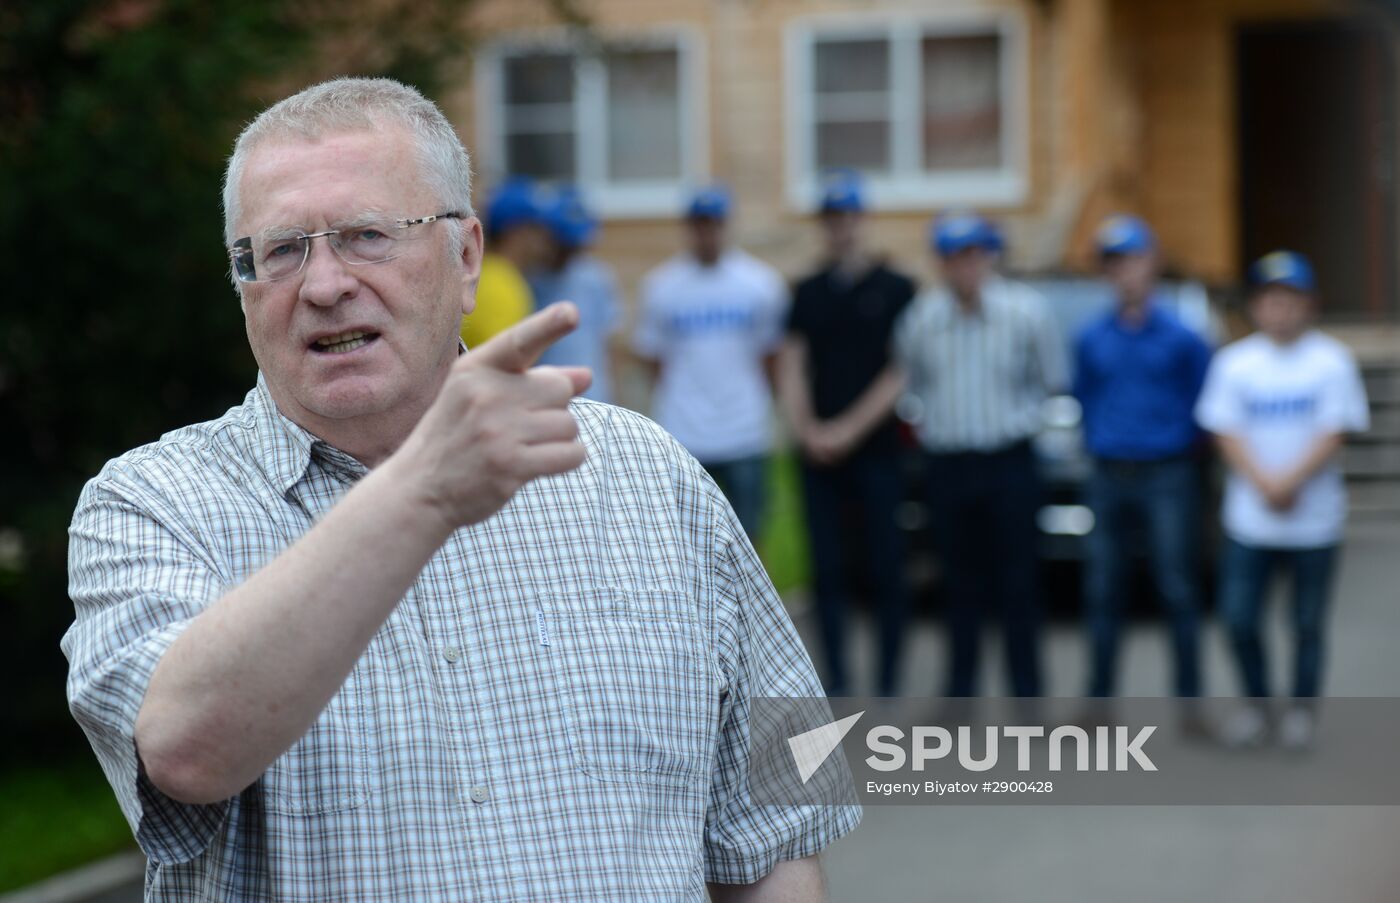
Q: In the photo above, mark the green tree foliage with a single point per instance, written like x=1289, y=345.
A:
x=118, y=321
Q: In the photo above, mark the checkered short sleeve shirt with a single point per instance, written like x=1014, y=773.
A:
x=556, y=710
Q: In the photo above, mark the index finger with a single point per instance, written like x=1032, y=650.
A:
x=516, y=349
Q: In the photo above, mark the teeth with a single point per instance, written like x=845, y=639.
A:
x=341, y=347
x=339, y=339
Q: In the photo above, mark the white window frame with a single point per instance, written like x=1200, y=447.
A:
x=611, y=200
x=908, y=186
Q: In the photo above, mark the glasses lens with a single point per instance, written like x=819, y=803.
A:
x=370, y=243
x=278, y=258
x=242, y=257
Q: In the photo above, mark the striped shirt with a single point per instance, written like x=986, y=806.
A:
x=556, y=710
x=980, y=377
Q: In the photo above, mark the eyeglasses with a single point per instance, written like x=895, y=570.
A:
x=268, y=258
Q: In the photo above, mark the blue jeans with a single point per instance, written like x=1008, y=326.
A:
x=983, y=507
x=1165, y=494
x=744, y=482
x=870, y=486
x=1245, y=575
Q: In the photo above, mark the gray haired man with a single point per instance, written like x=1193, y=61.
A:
x=412, y=622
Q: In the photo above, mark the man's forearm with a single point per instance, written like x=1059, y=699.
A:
x=250, y=674
x=1317, y=457
x=1238, y=459
x=793, y=393
x=791, y=881
x=875, y=403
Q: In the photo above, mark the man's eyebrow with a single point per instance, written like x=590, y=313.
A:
x=272, y=233
x=361, y=218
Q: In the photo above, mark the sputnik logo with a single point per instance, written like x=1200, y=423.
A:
x=811, y=748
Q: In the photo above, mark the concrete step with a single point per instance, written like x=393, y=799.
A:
x=1374, y=499
x=1380, y=458
x=1385, y=426
x=1382, y=385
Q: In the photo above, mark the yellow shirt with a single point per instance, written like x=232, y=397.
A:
x=503, y=298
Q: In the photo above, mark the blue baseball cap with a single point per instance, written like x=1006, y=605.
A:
x=514, y=202
x=711, y=202
x=1124, y=234
x=1287, y=268
x=569, y=220
x=958, y=231
x=841, y=192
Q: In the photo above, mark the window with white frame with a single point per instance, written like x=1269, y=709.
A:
x=620, y=120
x=930, y=111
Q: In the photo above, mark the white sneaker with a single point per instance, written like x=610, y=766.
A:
x=1296, y=729
x=1246, y=728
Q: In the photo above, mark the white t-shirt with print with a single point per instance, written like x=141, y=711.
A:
x=711, y=327
x=1279, y=400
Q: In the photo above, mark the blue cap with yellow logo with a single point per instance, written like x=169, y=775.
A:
x=1124, y=234
x=960, y=230
x=1288, y=268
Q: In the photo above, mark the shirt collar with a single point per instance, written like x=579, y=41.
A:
x=988, y=302
x=726, y=256
x=284, y=447
x=1152, y=317
x=287, y=449
x=840, y=280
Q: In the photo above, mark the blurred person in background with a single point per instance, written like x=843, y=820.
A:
x=515, y=233
x=838, y=388
x=1137, y=374
x=1280, y=403
x=710, y=323
x=571, y=273
x=981, y=354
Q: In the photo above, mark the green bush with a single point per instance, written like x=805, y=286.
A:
x=56, y=818
x=783, y=543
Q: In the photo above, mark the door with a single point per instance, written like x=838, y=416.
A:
x=1317, y=157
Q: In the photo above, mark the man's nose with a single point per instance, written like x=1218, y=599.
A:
x=326, y=279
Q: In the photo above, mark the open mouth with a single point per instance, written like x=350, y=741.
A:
x=343, y=343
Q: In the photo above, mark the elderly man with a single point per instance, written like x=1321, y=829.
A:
x=409, y=623
x=982, y=354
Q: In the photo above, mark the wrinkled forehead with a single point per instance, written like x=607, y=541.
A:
x=311, y=182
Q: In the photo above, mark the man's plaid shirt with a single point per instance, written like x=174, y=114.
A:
x=556, y=710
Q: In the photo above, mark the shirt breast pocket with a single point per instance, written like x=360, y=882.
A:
x=325, y=771
x=635, y=683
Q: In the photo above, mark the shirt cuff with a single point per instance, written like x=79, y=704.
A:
x=168, y=831
x=731, y=867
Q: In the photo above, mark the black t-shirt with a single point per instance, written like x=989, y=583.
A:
x=848, y=327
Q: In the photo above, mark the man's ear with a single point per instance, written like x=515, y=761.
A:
x=472, y=249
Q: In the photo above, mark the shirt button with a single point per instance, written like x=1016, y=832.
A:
x=478, y=794
x=451, y=653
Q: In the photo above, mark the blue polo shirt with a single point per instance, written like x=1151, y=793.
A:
x=1138, y=385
